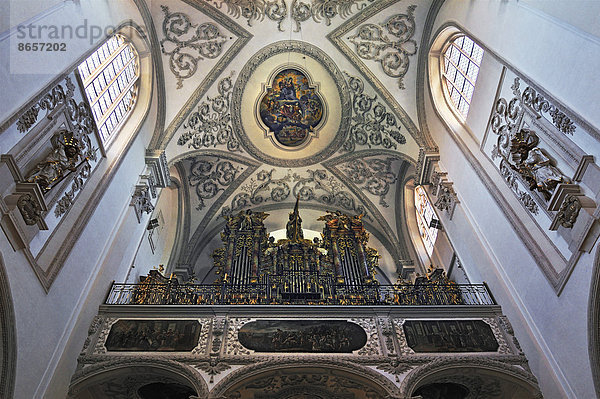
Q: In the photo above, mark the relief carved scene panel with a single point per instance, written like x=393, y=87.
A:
x=153, y=335
x=449, y=336
x=315, y=336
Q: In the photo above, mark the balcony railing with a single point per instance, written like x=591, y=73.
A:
x=261, y=294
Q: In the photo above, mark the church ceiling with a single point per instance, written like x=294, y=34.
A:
x=270, y=100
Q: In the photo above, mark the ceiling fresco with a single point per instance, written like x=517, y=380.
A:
x=270, y=101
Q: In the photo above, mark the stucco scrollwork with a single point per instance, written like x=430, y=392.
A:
x=404, y=348
x=372, y=124
x=373, y=175
x=186, y=44
x=542, y=106
x=255, y=10
x=210, y=124
x=299, y=11
x=393, y=51
x=209, y=176
x=518, y=147
x=372, y=347
x=318, y=185
x=323, y=10
x=70, y=156
x=233, y=346
x=101, y=340
x=200, y=349
x=49, y=101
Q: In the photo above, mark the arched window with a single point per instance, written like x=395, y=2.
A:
x=462, y=59
x=109, y=76
x=425, y=214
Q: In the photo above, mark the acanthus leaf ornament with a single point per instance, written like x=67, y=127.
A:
x=211, y=176
x=213, y=367
x=395, y=367
x=317, y=186
x=299, y=11
x=186, y=44
x=49, y=102
x=392, y=52
x=372, y=124
x=210, y=124
x=373, y=175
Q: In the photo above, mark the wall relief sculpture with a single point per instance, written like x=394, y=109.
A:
x=315, y=336
x=449, y=336
x=153, y=335
x=372, y=124
x=520, y=152
x=141, y=201
x=71, y=151
x=291, y=108
x=393, y=51
x=524, y=163
x=187, y=44
x=210, y=124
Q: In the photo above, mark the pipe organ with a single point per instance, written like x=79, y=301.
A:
x=295, y=269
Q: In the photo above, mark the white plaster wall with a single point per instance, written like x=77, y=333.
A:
x=552, y=329
x=52, y=327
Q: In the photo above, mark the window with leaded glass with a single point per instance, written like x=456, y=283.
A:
x=110, y=77
x=462, y=59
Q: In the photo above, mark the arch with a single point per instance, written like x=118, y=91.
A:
x=302, y=373
x=149, y=369
x=469, y=372
x=594, y=323
x=8, y=336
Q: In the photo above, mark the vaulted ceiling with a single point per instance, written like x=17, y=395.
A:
x=221, y=59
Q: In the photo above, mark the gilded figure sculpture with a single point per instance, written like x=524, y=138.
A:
x=63, y=159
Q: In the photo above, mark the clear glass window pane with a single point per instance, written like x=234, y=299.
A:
x=461, y=77
x=110, y=89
